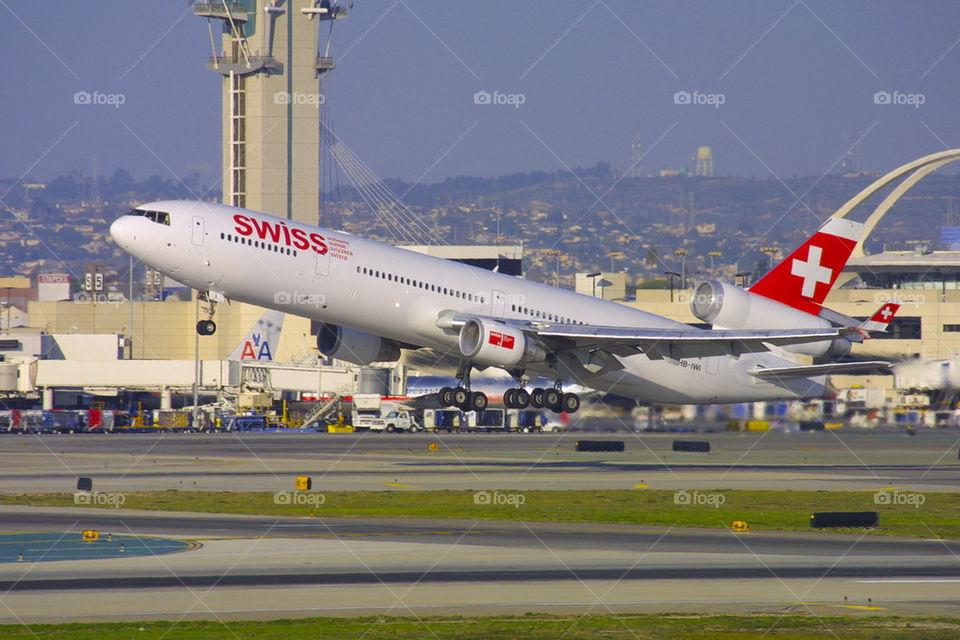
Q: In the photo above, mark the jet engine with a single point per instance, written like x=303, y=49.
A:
x=355, y=346
x=727, y=306
x=498, y=344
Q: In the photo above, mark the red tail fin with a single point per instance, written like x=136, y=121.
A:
x=805, y=278
x=880, y=320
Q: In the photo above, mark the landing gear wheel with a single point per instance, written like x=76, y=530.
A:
x=460, y=396
x=521, y=399
x=206, y=327
x=510, y=398
x=536, y=398
x=446, y=396
x=478, y=401
x=552, y=399
x=570, y=402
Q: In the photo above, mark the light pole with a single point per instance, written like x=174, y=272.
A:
x=593, y=277
x=556, y=266
x=683, y=266
x=714, y=254
x=8, y=308
x=771, y=252
x=671, y=275
x=613, y=256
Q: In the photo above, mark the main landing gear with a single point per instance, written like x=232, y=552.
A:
x=460, y=396
x=553, y=399
x=207, y=327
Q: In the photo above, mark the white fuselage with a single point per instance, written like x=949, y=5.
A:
x=388, y=291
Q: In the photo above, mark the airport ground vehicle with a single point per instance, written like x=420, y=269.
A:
x=489, y=420
x=399, y=420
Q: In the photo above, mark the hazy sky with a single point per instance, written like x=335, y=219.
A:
x=796, y=80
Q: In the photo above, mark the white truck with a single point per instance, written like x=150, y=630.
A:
x=394, y=421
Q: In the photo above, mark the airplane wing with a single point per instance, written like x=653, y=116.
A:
x=803, y=371
x=658, y=343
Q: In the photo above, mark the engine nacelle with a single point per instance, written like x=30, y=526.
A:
x=498, y=344
x=726, y=306
x=355, y=346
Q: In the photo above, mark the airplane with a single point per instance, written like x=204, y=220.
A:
x=262, y=340
x=373, y=299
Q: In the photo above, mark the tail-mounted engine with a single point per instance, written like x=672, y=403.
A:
x=726, y=306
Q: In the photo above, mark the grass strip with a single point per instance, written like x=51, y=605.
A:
x=526, y=627
x=937, y=516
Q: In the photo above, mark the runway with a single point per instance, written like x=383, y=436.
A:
x=849, y=460
x=363, y=566
x=244, y=567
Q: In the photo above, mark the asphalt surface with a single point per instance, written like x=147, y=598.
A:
x=267, y=567
x=853, y=460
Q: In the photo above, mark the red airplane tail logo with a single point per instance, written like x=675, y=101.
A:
x=805, y=278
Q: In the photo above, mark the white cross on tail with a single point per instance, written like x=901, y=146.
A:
x=811, y=271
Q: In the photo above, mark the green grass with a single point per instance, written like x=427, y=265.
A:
x=530, y=626
x=939, y=515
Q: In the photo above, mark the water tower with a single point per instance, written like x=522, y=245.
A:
x=705, y=162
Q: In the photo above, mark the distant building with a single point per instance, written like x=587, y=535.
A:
x=607, y=285
x=502, y=259
x=53, y=286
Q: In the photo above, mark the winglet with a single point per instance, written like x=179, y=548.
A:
x=880, y=321
x=804, y=279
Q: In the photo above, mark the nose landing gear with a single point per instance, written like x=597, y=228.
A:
x=208, y=306
x=206, y=327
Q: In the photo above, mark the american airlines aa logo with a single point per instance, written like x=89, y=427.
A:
x=256, y=348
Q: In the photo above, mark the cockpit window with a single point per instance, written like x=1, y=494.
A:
x=161, y=217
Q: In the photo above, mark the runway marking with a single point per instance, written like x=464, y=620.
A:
x=364, y=535
x=841, y=606
x=397, y=484
x=907, y=580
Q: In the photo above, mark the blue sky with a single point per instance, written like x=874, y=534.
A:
x=797, y=81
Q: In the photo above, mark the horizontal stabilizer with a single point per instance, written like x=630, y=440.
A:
x=832, y=368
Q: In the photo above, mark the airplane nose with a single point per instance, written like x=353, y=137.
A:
x=121, y=231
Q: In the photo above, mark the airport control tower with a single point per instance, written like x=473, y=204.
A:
x=273, y=56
